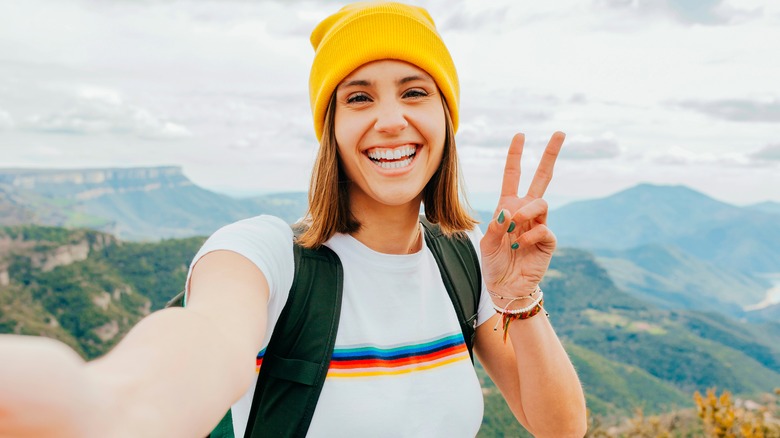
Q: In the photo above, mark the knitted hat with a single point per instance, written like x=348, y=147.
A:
x=369, y=31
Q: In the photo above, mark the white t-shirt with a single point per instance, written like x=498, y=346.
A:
x=400, y=366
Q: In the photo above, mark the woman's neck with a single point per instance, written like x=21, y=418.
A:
x=389, y=229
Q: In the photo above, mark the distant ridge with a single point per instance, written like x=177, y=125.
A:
x=737, y=237
x=671, y=278
x=766, y=207
x=98, y=172
x=85, y=184
x=637, y=216
x=142, y=203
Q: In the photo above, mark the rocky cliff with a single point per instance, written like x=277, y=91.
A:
x=86, y=184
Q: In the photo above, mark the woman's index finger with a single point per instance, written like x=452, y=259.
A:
x=544, y=172
x=512, y=167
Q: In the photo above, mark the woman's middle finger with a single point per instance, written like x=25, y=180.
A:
x=544, y=172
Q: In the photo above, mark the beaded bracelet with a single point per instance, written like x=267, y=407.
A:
x=509, y=315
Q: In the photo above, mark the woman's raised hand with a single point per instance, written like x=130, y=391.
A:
x=517, y=247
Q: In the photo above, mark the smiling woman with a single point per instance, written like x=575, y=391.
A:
x=389, y=129
x=384, y=94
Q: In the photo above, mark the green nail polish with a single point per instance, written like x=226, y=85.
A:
x=501, y=217
x=515, y=245
x=511, y=227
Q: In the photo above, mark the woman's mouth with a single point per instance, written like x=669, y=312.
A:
x=392, y=158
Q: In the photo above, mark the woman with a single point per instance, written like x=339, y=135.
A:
x=384, y=94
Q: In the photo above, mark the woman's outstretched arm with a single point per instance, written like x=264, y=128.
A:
x=175, y=373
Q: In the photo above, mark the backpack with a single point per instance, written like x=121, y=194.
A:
x=298, y=354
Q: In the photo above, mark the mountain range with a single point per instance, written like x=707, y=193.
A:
x=741, y=238
x=650, y=304
x=679, y=248
x=130, y=203
x=671, y=245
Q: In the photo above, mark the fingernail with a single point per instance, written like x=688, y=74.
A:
x=511, y=227
x=500, y=219
x=515, y=245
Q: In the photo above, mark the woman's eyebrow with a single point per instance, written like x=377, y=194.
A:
x=366, y=83
x=412, y=78
x=356, y=82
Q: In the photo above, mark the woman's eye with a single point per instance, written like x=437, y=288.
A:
x=358, y=98
x=415, y=92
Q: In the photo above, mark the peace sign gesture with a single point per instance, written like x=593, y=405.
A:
x=518, y=246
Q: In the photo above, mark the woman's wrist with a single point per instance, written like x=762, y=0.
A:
x=514, y=308
x=518, y=298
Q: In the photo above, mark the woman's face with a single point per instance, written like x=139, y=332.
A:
x=390, y=130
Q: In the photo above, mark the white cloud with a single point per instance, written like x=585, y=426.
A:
x=680, y=156
x=95, y=110
x=740, y=110
x=463, y=18
x=108, y=96
x=770, y=152
x=6, y=121
x=584, y=148
x=688, y=12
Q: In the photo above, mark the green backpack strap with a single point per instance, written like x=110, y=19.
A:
x=460, y=272
x=176, y=301
x=298, y=355
x=225, y=427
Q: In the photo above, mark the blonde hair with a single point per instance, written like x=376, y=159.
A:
x=329, y=208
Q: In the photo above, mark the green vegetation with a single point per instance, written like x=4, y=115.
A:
x=91, y=303
x=691, y=351
x=498, y=420
x=670, y=278
x=607, y=381
x=41, y=234
x=155, y=270
x=630, y=355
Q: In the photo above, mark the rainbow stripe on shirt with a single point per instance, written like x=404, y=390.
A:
x=372, y=361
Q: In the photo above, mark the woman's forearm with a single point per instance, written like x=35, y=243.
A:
x=174, y=374
x=552, y=398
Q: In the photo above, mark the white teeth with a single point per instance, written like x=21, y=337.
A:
x=391, y=154
x=393, y=164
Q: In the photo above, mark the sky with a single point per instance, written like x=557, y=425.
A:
x=673, y=92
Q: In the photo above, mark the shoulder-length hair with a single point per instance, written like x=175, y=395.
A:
x=329, y=212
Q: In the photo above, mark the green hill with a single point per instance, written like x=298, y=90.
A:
x=84, y=287
x=671, y=278
x=692, y=351
x=611, y=386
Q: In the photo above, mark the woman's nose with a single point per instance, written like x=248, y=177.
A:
x=390, y=118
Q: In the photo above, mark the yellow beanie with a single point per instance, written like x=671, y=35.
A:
x=369, y=31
